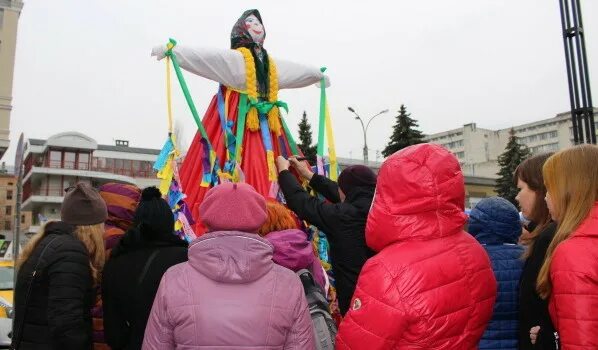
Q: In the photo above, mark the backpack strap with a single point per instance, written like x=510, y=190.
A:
x=147, y=266
x=141, y=278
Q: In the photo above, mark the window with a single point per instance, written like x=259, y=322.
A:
x=8, y=210
x=542, y=136
x=118, y=164
x=22, y=219
x=550, y=147
x=127, y=164
x=83, y=162
x=69, y=160
x=7, y=225
x=460, y=155
x=10, y=184
x=55, y=159
x=9, y=194
x=147, y=167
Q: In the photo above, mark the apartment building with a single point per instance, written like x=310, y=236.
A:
x=53, y=165
x=478, y=149
x=8, y=212
x=9, y=19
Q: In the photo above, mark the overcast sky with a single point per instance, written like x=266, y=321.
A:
x=86, y=65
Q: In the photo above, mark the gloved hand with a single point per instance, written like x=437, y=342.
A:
x=159, y=51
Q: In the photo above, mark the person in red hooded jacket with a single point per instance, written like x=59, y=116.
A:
x=431, y=285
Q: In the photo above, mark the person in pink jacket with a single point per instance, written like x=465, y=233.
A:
x=230, y=294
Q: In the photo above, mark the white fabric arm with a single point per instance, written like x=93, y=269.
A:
x=294, y=75
x=228, y=67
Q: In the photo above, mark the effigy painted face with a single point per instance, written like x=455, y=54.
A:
x=255, y=29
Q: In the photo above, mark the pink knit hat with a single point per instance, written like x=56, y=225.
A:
x=233, y=207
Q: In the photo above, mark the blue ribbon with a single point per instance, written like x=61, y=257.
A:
x=226, y=125
x=160, y=162
x=266, y=138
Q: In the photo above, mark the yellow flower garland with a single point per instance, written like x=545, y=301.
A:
x=252, y=121
x=274, y=114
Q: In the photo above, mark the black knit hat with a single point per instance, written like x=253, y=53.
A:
x=356, y=176
x=153, y=216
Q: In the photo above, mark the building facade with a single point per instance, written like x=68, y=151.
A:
x=8, y=212
x=478, y=149
x=9, y=19
x=51, y=166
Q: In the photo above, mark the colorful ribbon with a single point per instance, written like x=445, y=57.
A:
x=263, y=107
x=208, y=179
x=322, y=124
x=333, y=165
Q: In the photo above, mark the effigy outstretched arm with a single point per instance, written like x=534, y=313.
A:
x=227, y=67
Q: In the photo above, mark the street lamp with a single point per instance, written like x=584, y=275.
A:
x=365, y=130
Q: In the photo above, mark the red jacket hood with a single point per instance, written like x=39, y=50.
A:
x=420, y=195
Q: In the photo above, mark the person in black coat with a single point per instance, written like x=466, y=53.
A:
x=58, y=271
x=342, y=218
x=536, y=330
x=133, y=272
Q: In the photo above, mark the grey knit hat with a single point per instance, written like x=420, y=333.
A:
x=83, y=205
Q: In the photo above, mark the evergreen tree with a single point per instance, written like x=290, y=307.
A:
x=404, y=133
x=305, y=139
x=514, y=154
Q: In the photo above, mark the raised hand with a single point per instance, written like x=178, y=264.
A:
x=302, y=168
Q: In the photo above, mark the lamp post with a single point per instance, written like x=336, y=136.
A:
x=364, y=128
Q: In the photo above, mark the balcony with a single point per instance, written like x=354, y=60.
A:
x=68, y=165
x=49, y=191
x=134, y=171
x=33, y=199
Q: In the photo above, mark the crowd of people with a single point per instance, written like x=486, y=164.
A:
x=112, y=275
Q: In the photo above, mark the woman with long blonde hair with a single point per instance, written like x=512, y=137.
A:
x=58, y=272
x=569, y=276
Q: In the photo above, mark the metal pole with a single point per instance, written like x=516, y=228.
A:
x=580, y=96
x=365, y=148
x=364, y=128
x=17, y=226
x=365, y=140
x=565, y=25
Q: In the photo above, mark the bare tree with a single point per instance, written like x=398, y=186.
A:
x=177, y=131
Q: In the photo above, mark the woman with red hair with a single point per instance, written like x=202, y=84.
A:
x=292, y=249
x=569, y=276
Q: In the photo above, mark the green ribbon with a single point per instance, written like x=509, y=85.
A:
x=263, y=107
x=186, y=92
x=241, y=115
x=292, y=142
x=322, y=125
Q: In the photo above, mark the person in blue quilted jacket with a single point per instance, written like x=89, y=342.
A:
x=495, y=223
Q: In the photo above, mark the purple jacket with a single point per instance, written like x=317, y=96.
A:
x=229, y=295
x=293, y=251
